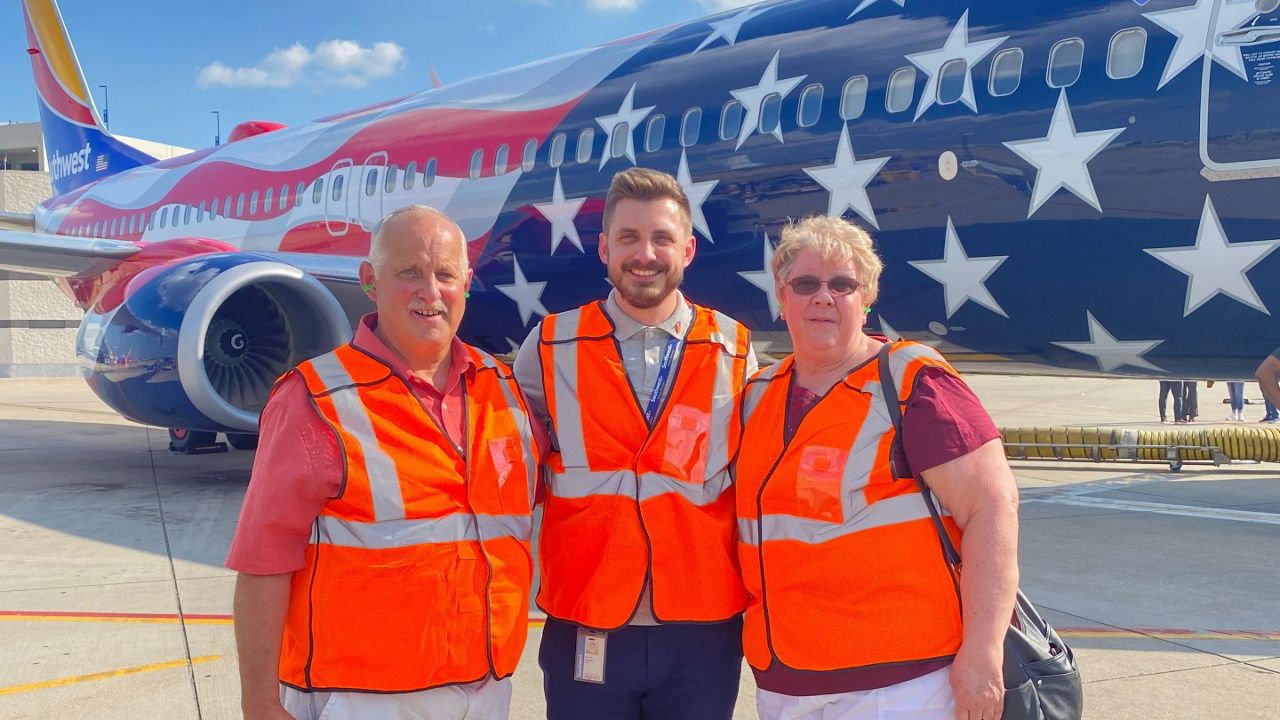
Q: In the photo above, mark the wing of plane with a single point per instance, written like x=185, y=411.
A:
x=19, y=221
x=60, y=255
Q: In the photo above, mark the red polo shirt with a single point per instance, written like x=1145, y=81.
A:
x=298, y=467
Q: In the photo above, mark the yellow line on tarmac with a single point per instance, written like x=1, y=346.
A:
x=77, y=679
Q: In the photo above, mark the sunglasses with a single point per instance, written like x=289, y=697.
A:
x=808, y=285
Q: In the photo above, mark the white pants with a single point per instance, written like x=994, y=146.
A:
x=928, y=697
x=487, y=699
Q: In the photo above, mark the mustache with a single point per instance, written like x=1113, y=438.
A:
x=637, y=265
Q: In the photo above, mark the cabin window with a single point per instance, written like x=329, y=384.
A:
x=529, y=155
x=429, y=173
x=338, y=182
x=477, y=157
x=133, y=223
x=389, y=185
x=901, y=90
x=226, y=207
x=370, y=182
x=1006, y=72
x=113, y=227
x=148, y=221
x=186, y=214
x=952, y=78
x=200, y=212
x=410, y=174
x=267, y=199
x=164, y=217
x=690, y=126
x=618, y=140
x=95, y=230
x=583, y=149
x=555, y=155
x=500, y=158
x=284, y=198
x=730, y=120
x=1065, y=60
x=239, y=207
x=810, y=106
x=253, y=203
x=653, y=133
x=299, y=193
x=317, y=191
x=1126, y=53
x=770, y=113
x=853, y=98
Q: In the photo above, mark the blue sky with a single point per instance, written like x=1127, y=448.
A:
x=168, y=64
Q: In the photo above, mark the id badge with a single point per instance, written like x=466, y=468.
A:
x=588, y=663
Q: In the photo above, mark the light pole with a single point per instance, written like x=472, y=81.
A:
x=217, y=133
x=106, y=107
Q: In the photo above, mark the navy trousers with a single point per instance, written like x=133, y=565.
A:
x=665, y=672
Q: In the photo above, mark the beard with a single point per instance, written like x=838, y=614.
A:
x=648, y=293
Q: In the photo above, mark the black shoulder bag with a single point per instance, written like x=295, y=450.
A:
x=1041, y=679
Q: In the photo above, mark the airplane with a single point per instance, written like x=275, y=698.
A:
x=1072, y=188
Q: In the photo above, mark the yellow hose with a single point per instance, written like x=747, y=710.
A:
x=1259, y=444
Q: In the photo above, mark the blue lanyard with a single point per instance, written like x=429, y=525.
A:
x=664, y=370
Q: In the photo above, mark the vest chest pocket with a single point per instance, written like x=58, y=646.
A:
x=818, y=478
x=687, y=429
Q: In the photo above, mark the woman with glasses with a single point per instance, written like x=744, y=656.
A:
x=854, y=612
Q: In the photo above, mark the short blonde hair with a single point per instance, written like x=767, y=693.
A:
x=836, y=241
x=645, y=184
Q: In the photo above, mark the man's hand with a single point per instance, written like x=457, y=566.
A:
x=268, y=711
x=977, y=679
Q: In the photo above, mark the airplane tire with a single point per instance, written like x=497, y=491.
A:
x=188, y=442
x=243, y=441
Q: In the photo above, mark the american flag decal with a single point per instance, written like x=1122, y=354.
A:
x=101, y=163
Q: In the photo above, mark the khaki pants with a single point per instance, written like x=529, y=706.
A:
x=487, y=699
x=925, y=698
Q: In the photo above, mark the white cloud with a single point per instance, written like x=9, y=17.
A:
x=720, y=5
x=626, y=5
x=333, y=63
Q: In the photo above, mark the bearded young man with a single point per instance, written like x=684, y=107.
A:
x=637, y=548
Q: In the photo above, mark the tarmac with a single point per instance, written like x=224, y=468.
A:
x=114, y=602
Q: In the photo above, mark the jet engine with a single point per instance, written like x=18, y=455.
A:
x=199, y=343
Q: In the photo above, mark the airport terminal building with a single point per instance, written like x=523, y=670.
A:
x=38, y=323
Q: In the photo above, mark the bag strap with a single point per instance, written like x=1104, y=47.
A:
x=890, y=391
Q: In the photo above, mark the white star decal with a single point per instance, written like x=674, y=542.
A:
x=1062, y=157
x=847, y=181
x=729, y=27
x=963, y=278
x=561, y=213
x=867, y=3
x=885, y=328
x=763, y=279
x=751, y=97
x=698, y=194
x=1110, y=352
x=527, y=295
x=957, y=47
x=1215, y=266
x=1196, y=38
x=628, y=116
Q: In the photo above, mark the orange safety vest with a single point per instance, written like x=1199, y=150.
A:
x=841, y=560
x=418, y=573
x=626, y=503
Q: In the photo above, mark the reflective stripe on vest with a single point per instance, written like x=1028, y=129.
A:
x=418, y=574
x=655, y=496
x=841, y=560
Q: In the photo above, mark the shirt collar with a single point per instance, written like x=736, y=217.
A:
x=625, y=327
x=460, y=361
